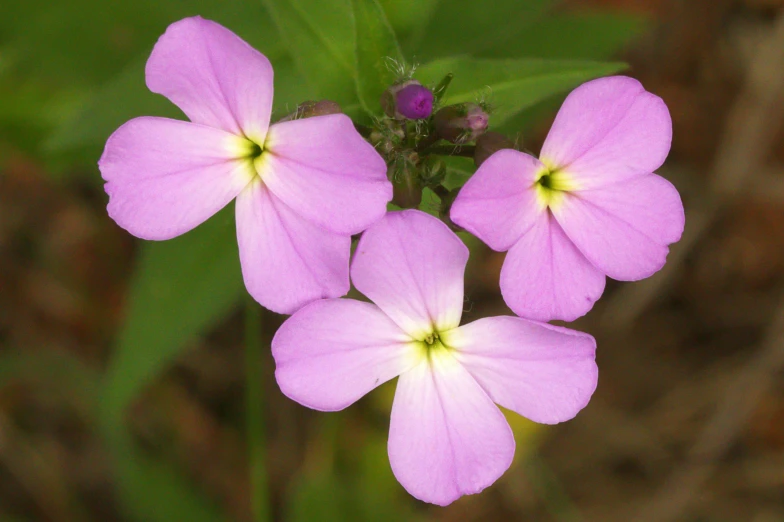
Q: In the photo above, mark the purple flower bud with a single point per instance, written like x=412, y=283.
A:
x=461, y=123
x=407, y=100
x=476, y=118
x=488, y=144
x=415, y=102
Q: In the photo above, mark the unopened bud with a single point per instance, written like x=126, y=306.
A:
x=433, y=171
x=409, y=100
x=310, y=108
x=461, y=123
x=388, y=137
x=407, y=191
x=488, y=144
x=415, y=102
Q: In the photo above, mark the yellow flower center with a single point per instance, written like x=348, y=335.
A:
x=551, y=185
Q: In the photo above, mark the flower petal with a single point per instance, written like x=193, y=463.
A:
x=624, y=229
x=609, y=130
x=287, y=261
x=446, y=437
x=323, y=169
x=498, y=203
x=332, y=352
x=411, y=265
x=543, y=372
x=214, y=76
x=164, y=177
x=545, y=277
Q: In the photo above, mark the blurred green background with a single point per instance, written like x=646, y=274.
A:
x=121, y=362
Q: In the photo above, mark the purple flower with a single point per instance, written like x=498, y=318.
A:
x=446, y=437
x=589, y=207
x=415, y=101
x=303, y=187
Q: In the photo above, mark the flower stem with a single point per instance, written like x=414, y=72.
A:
x=254, y=414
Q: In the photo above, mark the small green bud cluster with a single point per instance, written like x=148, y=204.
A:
x=417, y=128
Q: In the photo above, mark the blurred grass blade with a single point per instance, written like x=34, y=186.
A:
x=181, y=287
x=378, y=54
x=510, y=85
x=320, y=37
x=152, y=491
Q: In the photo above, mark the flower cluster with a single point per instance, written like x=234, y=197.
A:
x=591, y=206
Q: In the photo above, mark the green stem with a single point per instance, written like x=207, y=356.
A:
x=254, y=414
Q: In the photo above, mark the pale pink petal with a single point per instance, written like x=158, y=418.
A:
x=624, y=229
x=543, y=372
x=411, y=265
x=323, y=169
x=609, y=130
x=498, y=204
x=164, y=177
x=214, y=76
x=332, y=352
x=287, y=261
x=446, y=437
x=545, y=277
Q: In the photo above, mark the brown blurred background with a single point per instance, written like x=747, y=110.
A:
x=687, y=423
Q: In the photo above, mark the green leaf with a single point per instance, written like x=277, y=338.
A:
x=377, y=53
x=101, y=114
x=458, y=170
x=510, y=85
x=320, y=37
x=408, y=17
x=471, y=26
x=430, y=203
x=84, y=42
x=180, y=288
x=584, y=36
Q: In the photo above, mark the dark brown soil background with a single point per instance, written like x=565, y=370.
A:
x=688, y=420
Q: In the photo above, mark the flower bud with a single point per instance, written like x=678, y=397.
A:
x=409, y=100
x=461, y=123
x=310, y=108
x=488, y=144
x=387, y=137
x=415, y=102
x=407, y=190
x=406, y=193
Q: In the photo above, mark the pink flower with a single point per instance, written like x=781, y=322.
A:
x=446, y=437
x=303, y=187
x=589, y=207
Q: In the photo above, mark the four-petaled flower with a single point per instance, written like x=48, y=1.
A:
x=446, y=437
x=302, y=187
x=590, y=206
